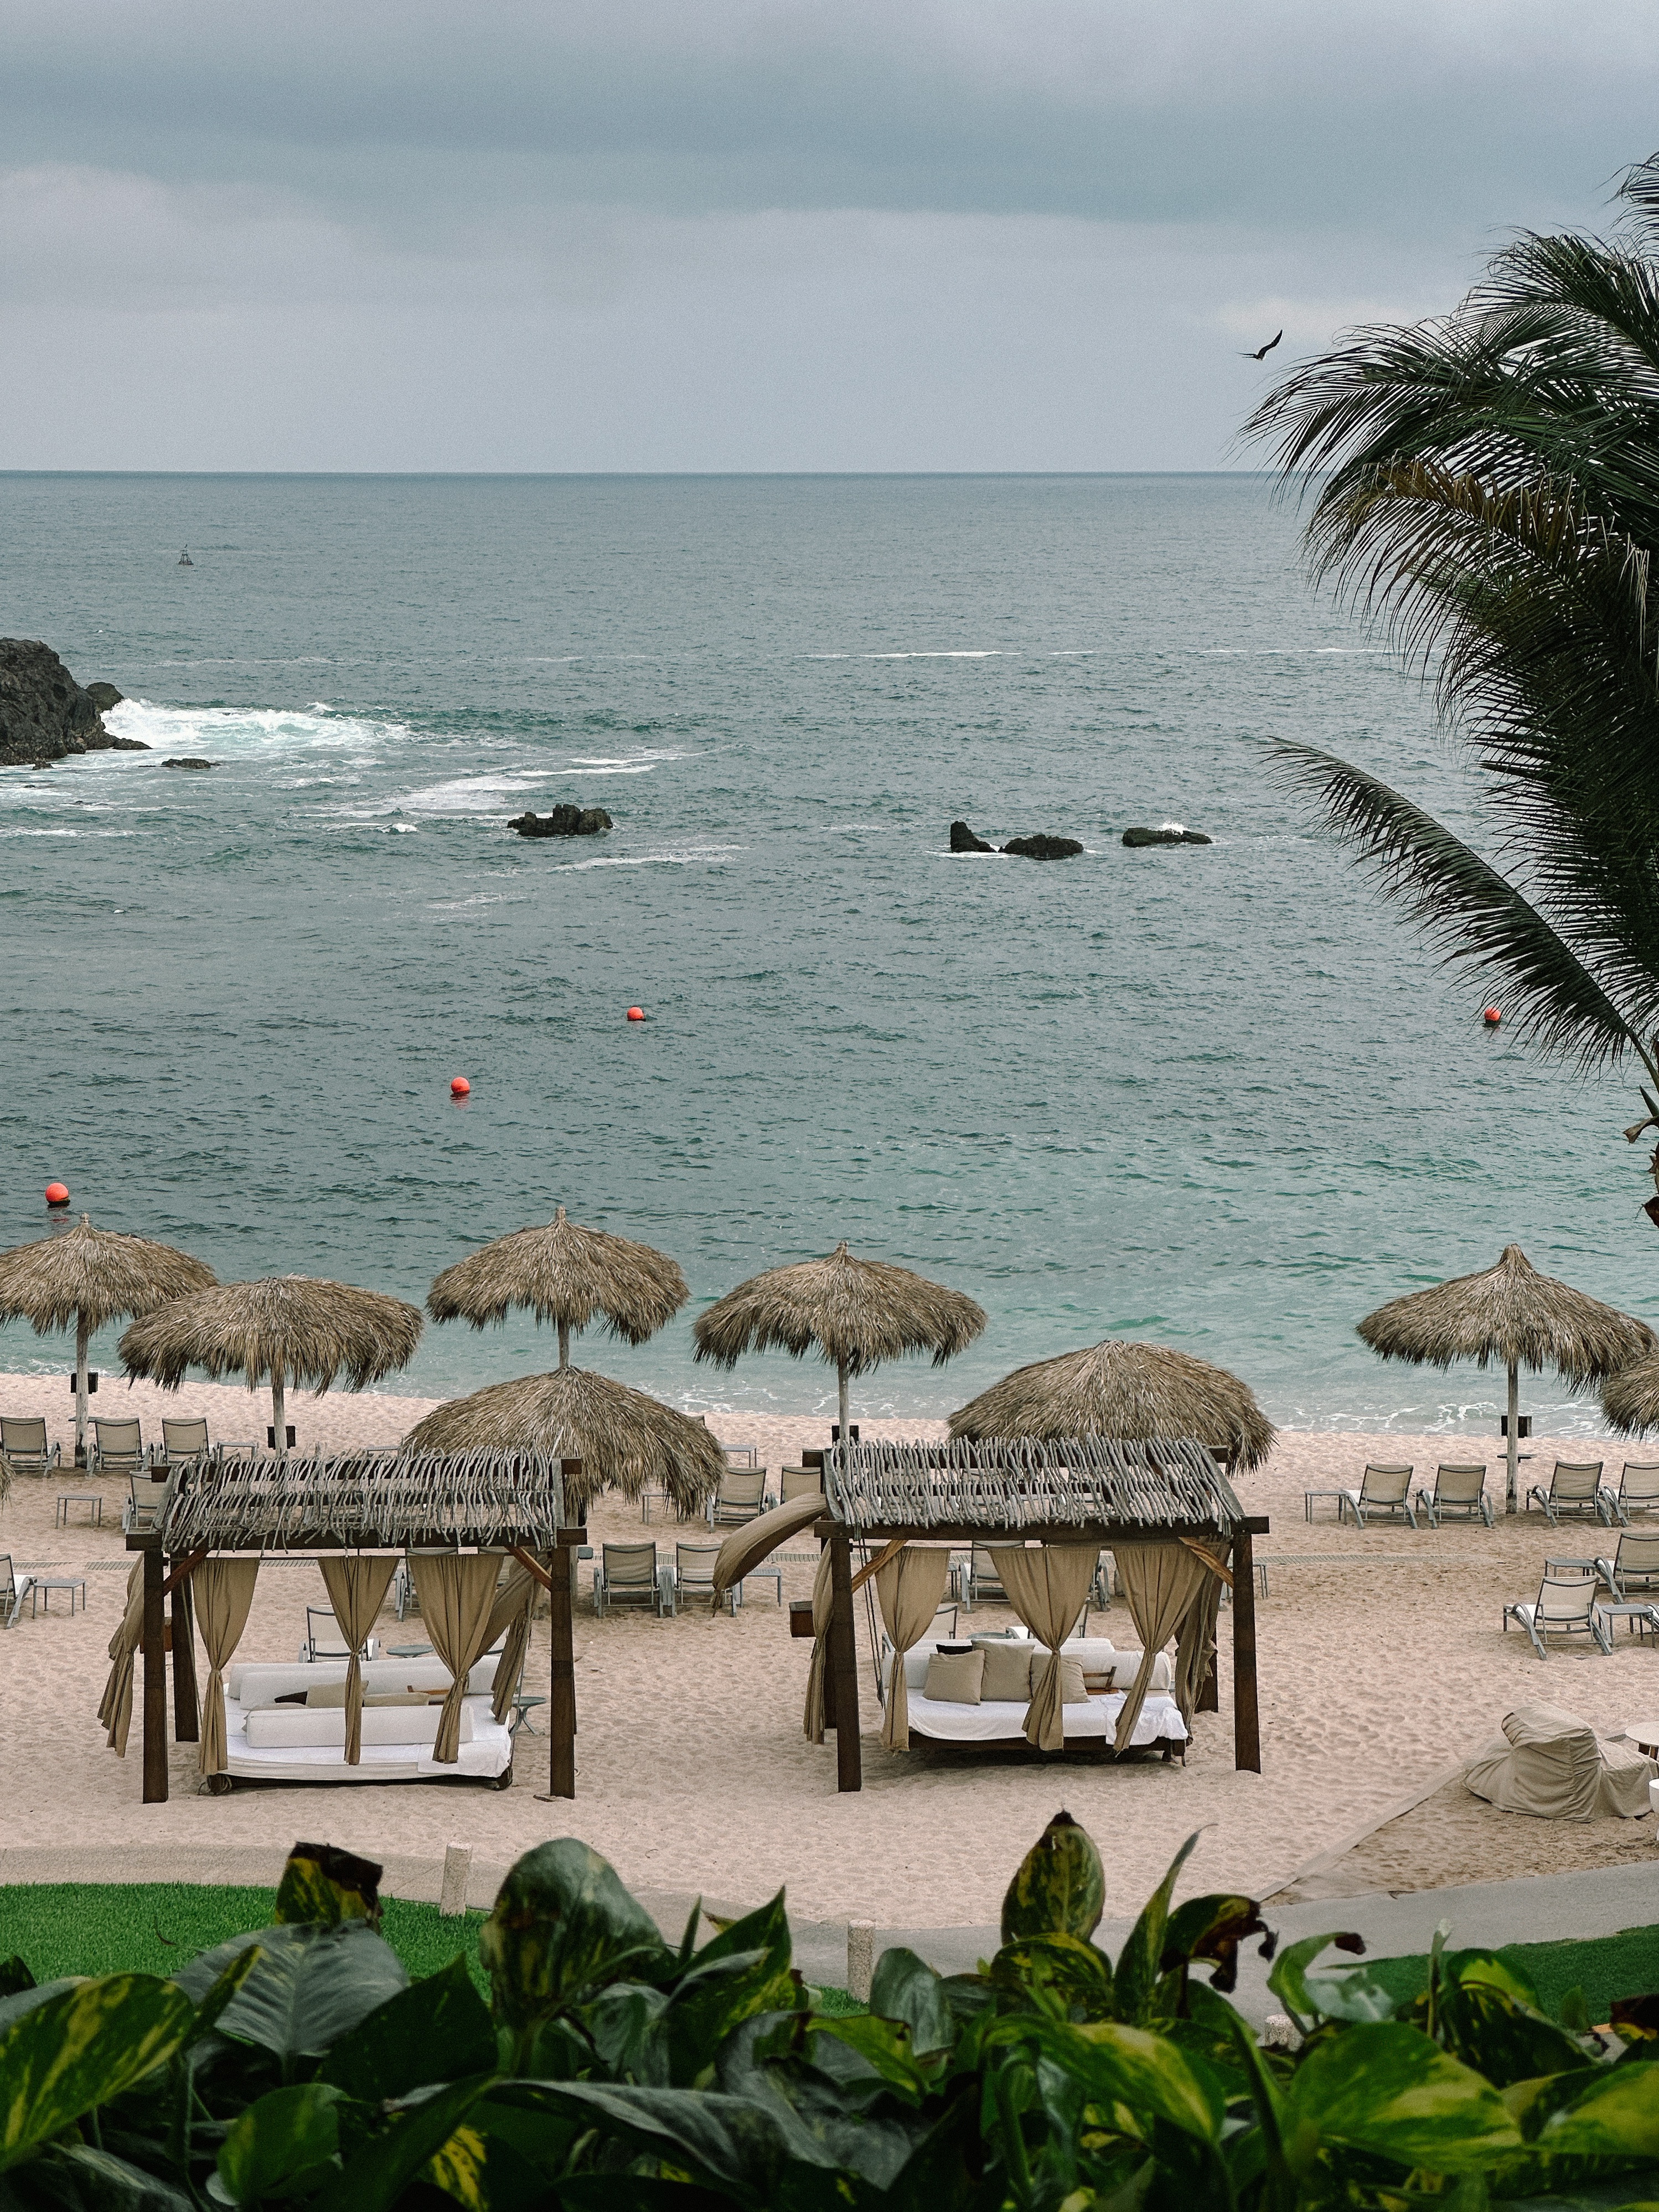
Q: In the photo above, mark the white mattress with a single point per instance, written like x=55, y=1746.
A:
x=1095, y=1718
x=488, y=1752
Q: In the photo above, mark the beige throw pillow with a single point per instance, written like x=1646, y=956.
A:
x=954, y=1679
x=1072, y=1691
x=1007, y=1674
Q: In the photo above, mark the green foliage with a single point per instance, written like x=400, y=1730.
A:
x=299, y=2067
x=323, y=1887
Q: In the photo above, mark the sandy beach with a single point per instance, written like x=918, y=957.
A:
x=1382, y=1663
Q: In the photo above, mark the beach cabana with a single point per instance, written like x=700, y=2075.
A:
x=1046, y=1508
x=455, y=1517
x=85, y=1277
x=1512, y=1314
x=283, y=1328
x=1127, y=1391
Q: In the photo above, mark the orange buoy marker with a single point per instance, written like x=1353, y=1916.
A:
x=459, y=1087
x=636, y=1014
x=1492, y=1016
x=56, y=1194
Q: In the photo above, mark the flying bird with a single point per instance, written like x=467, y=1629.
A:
x=1262, y=352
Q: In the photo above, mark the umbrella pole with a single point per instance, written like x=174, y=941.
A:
x=564, y=1344
x=81, y=1335
x=1510, y=1484
x=278, y=1401
x=846, y=1432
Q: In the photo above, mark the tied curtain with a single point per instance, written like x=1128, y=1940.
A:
x=1048, y=1588
x=822, y=1602
x=515, y=1605
x=224, y=1593
x=115, y=1709
x=909, y=1587
x=1163, y=1583
x=1195, y=1648
x=356, y=1590
x=458, y=1601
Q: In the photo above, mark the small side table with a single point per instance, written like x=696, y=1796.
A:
x=92, y=1497
x=1309, y=1496
x=1639, y=1618
x=1644, y=1735
x=521, y=1706
x=1588, y=1568
x=44, y=1585
x=773, y=1575
x=408, y=1650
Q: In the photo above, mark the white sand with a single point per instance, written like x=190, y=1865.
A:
x=1380, y=1662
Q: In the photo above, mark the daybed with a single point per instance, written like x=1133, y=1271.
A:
x=271, y=1741
x=1093, y=1721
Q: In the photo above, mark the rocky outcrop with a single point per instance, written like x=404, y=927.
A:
x=183, y=760
x=562, y=821
x=963, y=839
x=104, y=696
x=1166, y=837
x=45, y=715
x=1042, y=848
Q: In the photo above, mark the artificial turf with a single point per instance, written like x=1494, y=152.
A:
x=1604, y=1967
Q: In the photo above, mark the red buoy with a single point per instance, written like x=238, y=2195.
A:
x=1492, y=1016
x=459, y=1087
x=56, y=1194
x=636, y=1014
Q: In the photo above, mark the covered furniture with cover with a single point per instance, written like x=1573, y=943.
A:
x=1551, y=1765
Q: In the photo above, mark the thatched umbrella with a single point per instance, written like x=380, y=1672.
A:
x=1132, y=1391
x=623, y=1437
x=288, y=1327
x=856, y=1313
x=563, y=1274
x=1630, y=1398
x=89, y=1276
x=1512, y=1314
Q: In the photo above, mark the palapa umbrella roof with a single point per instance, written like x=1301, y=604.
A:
x=292, y=1326
x=566, y=1274
x=1132, y=1392
x=95, y=1275
x=624, y=1438
x=856, y=1313
x=1512, y=1314
x=1630, y=1398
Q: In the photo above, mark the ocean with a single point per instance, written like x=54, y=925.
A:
x=1216, y=1096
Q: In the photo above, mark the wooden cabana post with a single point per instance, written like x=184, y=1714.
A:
x=842, y=1667
x=156, y=1678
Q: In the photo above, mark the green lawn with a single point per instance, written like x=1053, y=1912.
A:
x=1604, y=1967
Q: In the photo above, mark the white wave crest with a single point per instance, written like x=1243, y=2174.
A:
x=243, y=732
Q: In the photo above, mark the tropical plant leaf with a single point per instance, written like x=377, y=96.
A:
x=375, y=2177
x=1116, y=2064
x=432, y=2031
x=1615, y=2116
x=1060, y=1887
x=562, y=1927
x=74, y=2177
x=1209, y=1930
x=285, y=2142
x=906, y=1988
x=1058, y=1974
x=1355, y=1993
x=309, y=1987
x=326, y=1886
x=1383, y=2087
x=1139, y=1963
x=14, y=1977
x=81, y=2048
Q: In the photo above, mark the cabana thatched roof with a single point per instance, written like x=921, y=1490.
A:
x=625, y=1440
x=93, y=1276
x=1513, y=1315
x=289, y=1327
x=371, y=1500
x=1124, y=1391
x=1629, y=1399
x=856, y=1313
x=1158, y=1483
x=566, y=1274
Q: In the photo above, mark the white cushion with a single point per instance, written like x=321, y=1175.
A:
x=271, y=1727
x=260, y=1681
x=1127, y=1665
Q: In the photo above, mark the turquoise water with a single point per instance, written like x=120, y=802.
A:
x=1215, y=1096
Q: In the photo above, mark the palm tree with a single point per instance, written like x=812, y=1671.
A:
x=1487, y=484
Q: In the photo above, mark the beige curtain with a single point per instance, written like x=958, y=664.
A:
x=1195, y=1652
x=1048, y=1589
x=223, y=1589
x=515, y=1602
x=115, y=1709
x=457, y=1599
x=823, y=1600
x=909, y=1587
x=356, y=1590
x=1163, y=1583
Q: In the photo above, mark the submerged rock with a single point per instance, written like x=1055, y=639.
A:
x=963, y=839
x=1170, y=837
x=1043, y=847
x=45, y=715
x=183, y=760
x=564, y=821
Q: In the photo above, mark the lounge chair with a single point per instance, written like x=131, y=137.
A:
x=144, y=1501
x=24, y=1448
x=1382, y=1489
x=1633, y=1570
x=741, y=1497
x=1637, y=1490
x=324, y=1639
x=694, y=1576
x=798, y=1482
x=117, y=1448
x=12, y=1592
x=184, y=1444
x=1575, y=1487
x=978, y=1581
x=1457, y=1489
x=1563, y=1608
x=628, y=1574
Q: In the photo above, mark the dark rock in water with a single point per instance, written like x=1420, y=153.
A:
x=45, y=715
x=1043, y=847
x=562, y=821
x=181, y=760
x=1166, y=837
x=103, y=698
x=963, y=839
x=129, y=746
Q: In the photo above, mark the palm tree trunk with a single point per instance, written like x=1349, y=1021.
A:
x=1510, y=1482
x=81, y=1333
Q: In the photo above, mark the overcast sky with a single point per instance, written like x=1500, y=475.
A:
x=736, y=234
